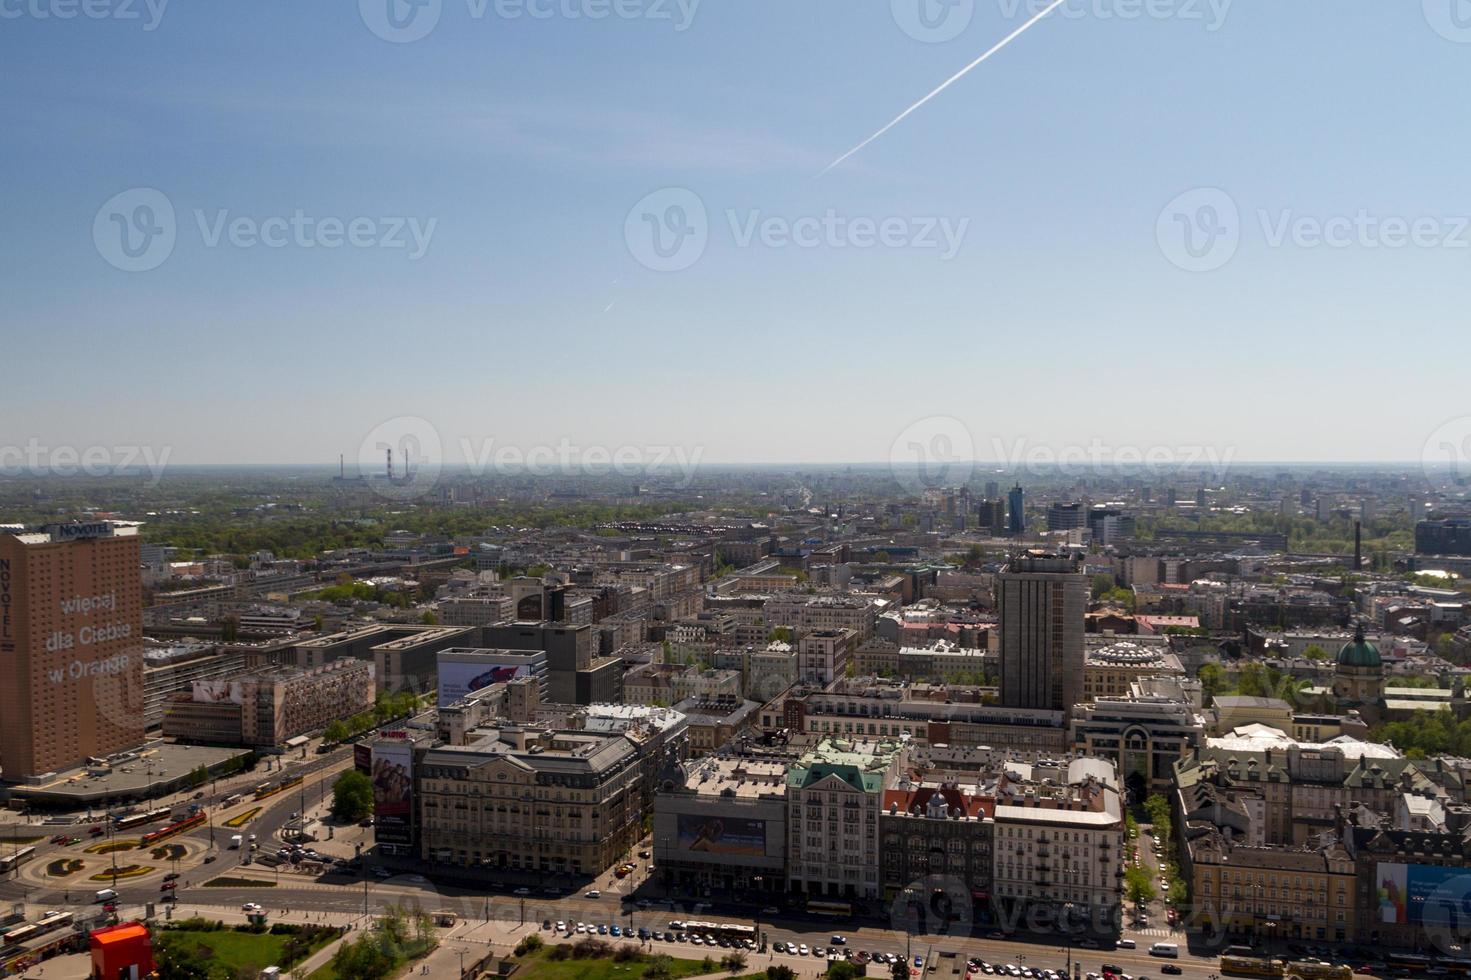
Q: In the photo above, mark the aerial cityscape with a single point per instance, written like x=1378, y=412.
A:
x=665, y=489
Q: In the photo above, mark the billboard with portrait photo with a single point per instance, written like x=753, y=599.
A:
x=393, y=790
x=731, y=836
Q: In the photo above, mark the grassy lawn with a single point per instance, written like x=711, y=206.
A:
x=233, y=949
x=537, y=966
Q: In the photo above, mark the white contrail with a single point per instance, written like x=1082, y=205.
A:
x=948, y=82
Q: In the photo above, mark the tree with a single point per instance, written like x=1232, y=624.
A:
x=1138, y=885
x=1212, y=680
x=779, y=972
x=369, y=957
x=336, y=732
x=1315, y=652
x=733, y=962
x=1252, y=681
x=181, y=961
x=1158, y=809
x=843, y=970
x=899, y=970
x=662, y=966
x=352, y=796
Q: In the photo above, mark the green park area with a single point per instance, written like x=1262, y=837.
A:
x=401, y=935
x=200, y=949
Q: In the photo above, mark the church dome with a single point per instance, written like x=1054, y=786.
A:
x=1359, y=653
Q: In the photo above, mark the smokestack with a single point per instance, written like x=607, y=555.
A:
x=1358, y=545
x=341, y=466
x=390, y=462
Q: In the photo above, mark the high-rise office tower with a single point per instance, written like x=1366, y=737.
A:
x=1042, y=599
x=71, y=635
x=1016, y=521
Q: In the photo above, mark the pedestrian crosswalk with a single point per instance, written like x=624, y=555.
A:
x=1162, y=932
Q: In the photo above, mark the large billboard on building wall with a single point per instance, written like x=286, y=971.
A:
x=456, y=679
x=1419, y=893
x=721, y=835
x=393, y=791
x=218, y=690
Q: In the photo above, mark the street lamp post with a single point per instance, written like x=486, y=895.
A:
x=112, y=850
x=908, y=930
x=757, y=881
x=1067, y=915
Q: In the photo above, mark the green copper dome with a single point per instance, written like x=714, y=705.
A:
x=1359, y=653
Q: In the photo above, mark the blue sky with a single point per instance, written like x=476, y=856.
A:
x=1064, y=316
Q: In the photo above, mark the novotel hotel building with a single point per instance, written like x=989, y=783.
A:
x=71, y=635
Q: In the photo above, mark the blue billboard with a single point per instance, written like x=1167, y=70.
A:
x=1419, y=893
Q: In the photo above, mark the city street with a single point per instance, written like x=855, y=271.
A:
x=498, y=915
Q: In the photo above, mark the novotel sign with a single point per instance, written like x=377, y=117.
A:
x=73, y=532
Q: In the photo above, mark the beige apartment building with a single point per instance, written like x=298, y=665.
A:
x=530, y=800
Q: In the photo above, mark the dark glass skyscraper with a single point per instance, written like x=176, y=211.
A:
x=1016, y=519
